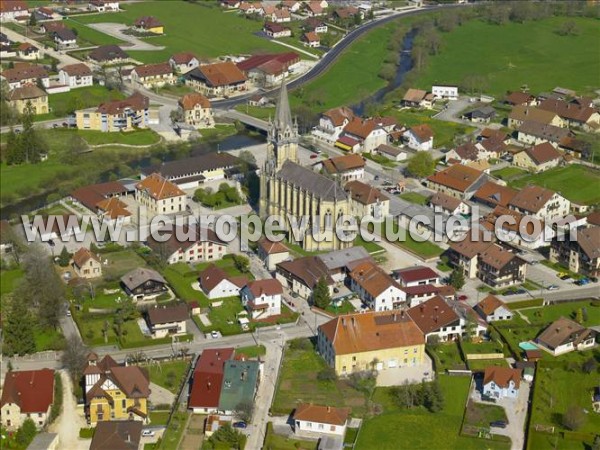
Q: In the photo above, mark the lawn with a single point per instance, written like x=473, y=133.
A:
x=298, y=383
x=424, y=249
x=533, y=65
x=548, y=314
x=515, y=331
x=137, y=137
x=9, y=280
x=380, y=159
x=480, y=415
x=345, y=308
x=48, y=339
x=257, y=111
x=168, y=374
x=414, y=197
x=121, y=262
x=509, y=173
x=172, y=435
x=202, y=28
x=370, y=246
x=575, y=182
x=64, y=103
x=424, y=430
x=479, y=365
x=277, y=442
x=446, y=356
x=470, y=348
x=88, y=37
x=252, y=351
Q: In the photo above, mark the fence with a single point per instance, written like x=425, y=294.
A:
x=476, y=356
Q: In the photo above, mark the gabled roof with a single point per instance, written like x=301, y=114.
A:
x=211, y=360
x=83, y=255
x=543, y=153
x=135, y=101
x=433, y=314
x=308, y=269
x=364, y=193
x=371, y=331
x=414, y=95
x=563, y=331
x=490, y=304
x=338, y=115
x=269, y=287
x=422, y=133
x=445, y=201
x=347, y=258
x=498, y=257
x=188, y=166
x=182, y=238
x=568, y=110
x=468, y=151
x=502, y=376
x=13, y=6
x=311, y=36
x=522, y=113
x=117, y=435
x=210, y=277
x=32, y=390
x=168, y=314
x=24, y=72
x=457, y=177
x=183, y=57
x=270, y=247
x=113, y=208
x=159, y=188
x=140, y=276
x=256, y=61
x=372, y=278
x=549, y=132
x=416, y=273
x=321, y=414
x=532, y=198
x=497, y=194
x=589, y=241
x=193, y=99
x=518, y=98
x=218, y=74
x=305, y=178
x=26, y=92
x=64, y=34
x=153, y=70
x=107, y=53
x=148, y=22
x=470, y=246
x=78, y=70
x=362, y=128
x=344, y=163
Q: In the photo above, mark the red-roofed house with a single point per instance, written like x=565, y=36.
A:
x=262, y=298
x=311, y=39
x=314, y=420
x=332, y=123
x=207, y=380
x=274, y=30
x=272, y=253
x=416, y=276
x=11, y=9
x=538, y=158
x=153, y=75
x=501, y=382
x=215, y=283
x=26, y=394
x=184, y=62
x=419, y=137
x=76, y=75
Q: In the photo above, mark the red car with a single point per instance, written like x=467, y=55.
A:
x=462, y=298
x=313, y=156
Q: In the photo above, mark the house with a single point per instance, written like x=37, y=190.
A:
x=371, y=341
x=314, y=24
x=457, y=181
x=417, y=98
x=249, y=8
x=116, y=115
x=143, y=284
x=108, y=54
x=262, y=298
x=7, y=51
x=391, y=152
x=292, y=5
x=44, y=441
x=221, y=79
x=230, y=4
x=578, y=148
x=463, y=254
x=240, y=382
x=184, y=62
x=148, y=24
x=65, y=38
x=332, y=123
x=344, y=168
x=25, y=73
x=520, y=99
x=491, y=308
x=189, y=245
x=271, y=253
x=85, y=264
x=501, y=382
x=196, y=110
x=279, y=15
x=153, y=75
x=89, y=196
x=340, y=263
x=574, y=114
x=500, y=267
x=470, y=152
x=419, y=137
x=581, y=255
x=541, y=203
x=416, y=276
x=492, y=194
x=365, y=134
x=117, y=435
x=13, y=9
x=315, y=420
x=483, y=114
x=28, y=95
x=160, y=195
x=564, y=336
x=259, y=100
x=534, y=133
x=376, y=288
x=75, y=76
x=347, y=14
x=189, y=173
x=515, y=228
x=520, y=114
x=314, y=9
x=26, y=394
x=51, y=27
x=104, y=5
x=215, y=283
x=446, y=204
x=274, y=30
x=115, y=392
x=207, y=380
x=167, y=321
x=302, y=274
x=311, y=39
x=367, y=201
x=538, y=158
x=113, y=210
x=28, y=51
x=269, y=69
x=444, y=92
x=435, y=317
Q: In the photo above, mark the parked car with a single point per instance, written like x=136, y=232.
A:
x=498, y=424
x=462, y=298
x=582, y=282
x=553, y=287
x=593, y=279
x=214, y=334
x=147, y=433
x=561, y=275
x=521, y=291
x=313, y=156
x=565, y=277
x=239, y=425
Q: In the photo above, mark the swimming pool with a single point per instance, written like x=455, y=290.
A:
x=527, y=346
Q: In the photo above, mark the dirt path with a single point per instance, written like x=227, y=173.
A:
x=70, y=421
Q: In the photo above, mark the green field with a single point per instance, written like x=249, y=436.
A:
x=575, y=182
x=424, y=430
x=87, y=37
x=9, y=280
x=548, y=314
x=202, y=28
x=64, y=103
x=473, y=49
x=252, y=351
x=424, y=249
x=414, y=197
x=509, y=173
x=168, y=374
x=446, y=356
x=279, y=442
x=121, y=262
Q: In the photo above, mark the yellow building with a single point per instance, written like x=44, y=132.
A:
x=159, y=195
x=371, y=341
x=20, y=97
x=114, y=392
x=289, y=189
x=117, y=115
x=149, y=24
x=196, y=110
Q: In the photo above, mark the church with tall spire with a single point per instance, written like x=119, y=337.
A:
x=288, y=189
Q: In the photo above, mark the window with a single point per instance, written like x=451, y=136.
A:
x=320, y=426
x=124, y=403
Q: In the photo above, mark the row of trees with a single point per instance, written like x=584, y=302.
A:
x=27, y=146
x=225, y=194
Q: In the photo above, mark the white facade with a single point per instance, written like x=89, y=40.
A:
x=75, y=81
x=501, y=313
x=384, y=301
x=164, y=329
x=445, y=92
x=199, y=251
x=224, y=288
x=327, y=130
x=416, y=144
x=555, y=208
x=184, y=67
x=307, y=427
x=493, y=390
x=104, y=6
x=569, y=346
x=271, y=304
x=13, y=418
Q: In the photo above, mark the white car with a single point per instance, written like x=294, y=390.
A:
x=214, y=334
x=148, y=433
x=553, y=287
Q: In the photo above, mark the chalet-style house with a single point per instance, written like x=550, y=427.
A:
x=446, y=204
x=564, y=336
x=222, y=79
x=371, y=341
x=115, y=392
x=276, y=30
x=520, y=99
x=108, y=54
x=85, y=264
x=166, y=321
x=160, y=195
x=581, y=255
x=142, y=284
x=311, y=39
x=26, y=394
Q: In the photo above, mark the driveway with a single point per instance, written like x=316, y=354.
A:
x=116, y=30
x=160, y=396
x=69, y=422
x=410, y=374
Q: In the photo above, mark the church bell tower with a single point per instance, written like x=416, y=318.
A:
x=282, y=139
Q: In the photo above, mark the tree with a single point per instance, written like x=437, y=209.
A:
x=387, y=72
x=128, y=310
x=74, y=357
x=579, y=315
x=568, y=28
x=26, y=432
x=64, y=258
x=457, y=279
x=573, y=418
x=227, y=437
x=327, y=374
x=596, y=444
x=244, y=411
x=32, y=20
x=435, y=397
x=421, y=165
x=18, y=329
x=241, y=263
x=321, y=294
x=248, y=157
x=9, y=236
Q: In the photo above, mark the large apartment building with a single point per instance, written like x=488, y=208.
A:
x=116, y=115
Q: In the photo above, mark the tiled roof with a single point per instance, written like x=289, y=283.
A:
x=188, y=166
x=518, y=98
x=32, y=390
x=271, y=248
x=543, y=153
x=343, y=163
x=220, y=74
x=140, y=276
x=490, y=304
x=416, y=273
x=311, y=36
x=423, y=132
x=308, y=269
x=498, y=257
x=502, y=376
x=563, y=331
x=589, y=241
x=549, y=132
x=191, y=100
x=269, y=286
x=117, y=435
x=338, y=115
x=256, y=61
x=83, y=255
x=457, y=177
x=522, y=113
x=469, y=247
x=26, y=92
x=433, y=314
x=107, y=53
x=183, y=57
x=168, y=314
x=445, y=201
x=491, y=192
x=568, y=110
x=113, y=208
x=372, y=331
x=135, y=101
x=210, y=277
x=147, y=22
x=13, y=6
x=531, y=198
x=153, y=70
x=182, y=238
x=372, y=278
x=79, y=70
x=158, y=187
x=364, y=193
x=321, y=414
x=414, y=95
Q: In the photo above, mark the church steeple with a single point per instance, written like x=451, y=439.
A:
x=283, y=131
